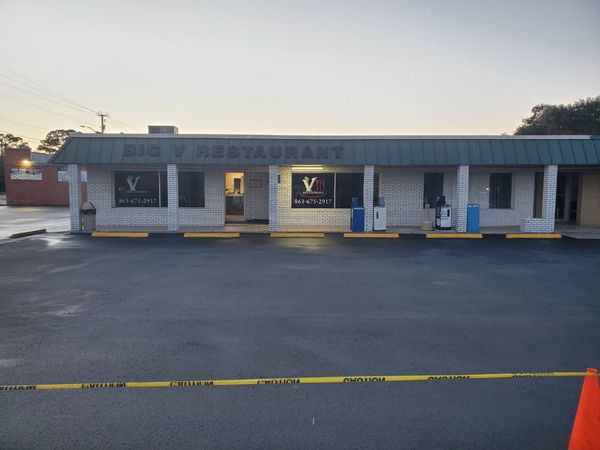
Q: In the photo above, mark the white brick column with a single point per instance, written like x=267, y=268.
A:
x=549, y=194
x=368, y=181
x=462, y=193
x=273, y=192
x=546, y=223
x=74, y=197
x=173, y=198
x=549, y=197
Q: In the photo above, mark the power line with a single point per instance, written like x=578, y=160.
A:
x=23, y=124
x=21, y=136
x=44, y=98
x=45, y=109
x=48, y=92
x=42, y=88
x=112, y=119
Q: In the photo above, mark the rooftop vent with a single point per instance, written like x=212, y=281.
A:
x=162, y=129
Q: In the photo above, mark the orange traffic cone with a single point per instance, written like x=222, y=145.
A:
x=586, y=429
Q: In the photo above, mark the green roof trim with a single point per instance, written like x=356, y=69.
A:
x=340, y=150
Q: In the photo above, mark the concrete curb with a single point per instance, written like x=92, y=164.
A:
x=27, y=233
x=319, y=235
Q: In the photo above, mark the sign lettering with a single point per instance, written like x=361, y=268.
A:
x=363, y=379
x=204, y=151
x=312, y=190
x=137, y=189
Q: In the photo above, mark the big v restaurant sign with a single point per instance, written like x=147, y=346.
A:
x=199, y=153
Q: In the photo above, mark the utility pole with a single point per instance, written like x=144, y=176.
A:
x=102, y=124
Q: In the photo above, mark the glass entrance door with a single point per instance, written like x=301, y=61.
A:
x=234, y=197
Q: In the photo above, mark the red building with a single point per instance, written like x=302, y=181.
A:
x=31, y=181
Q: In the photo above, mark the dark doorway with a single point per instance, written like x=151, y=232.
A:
x=567, y=189
x=538, y=195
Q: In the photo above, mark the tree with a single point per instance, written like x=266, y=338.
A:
x=11, y=141
x=581, y=117
x=53, y=140
x=8, y=141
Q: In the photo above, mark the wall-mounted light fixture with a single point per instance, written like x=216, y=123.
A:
x=26, y=163
x=307, y=167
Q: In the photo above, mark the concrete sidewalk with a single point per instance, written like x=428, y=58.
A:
x=15, y=219
x=578, y=231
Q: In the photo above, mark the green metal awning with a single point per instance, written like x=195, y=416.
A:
x=339, y=150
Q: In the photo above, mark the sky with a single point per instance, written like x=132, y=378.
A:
x=429, y=67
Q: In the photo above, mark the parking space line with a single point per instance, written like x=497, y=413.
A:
x=297, y=235
x=212, y=235
x=533, y=236
x=117, y=234
x=454, y=236
x=372, y=235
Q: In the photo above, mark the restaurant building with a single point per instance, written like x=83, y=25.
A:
x=173, y=183
x=31, y=181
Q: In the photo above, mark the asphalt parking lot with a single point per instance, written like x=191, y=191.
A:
x=79, y=309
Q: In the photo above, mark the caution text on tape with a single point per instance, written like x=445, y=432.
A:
x=288, y=381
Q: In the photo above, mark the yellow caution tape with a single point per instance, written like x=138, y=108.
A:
x=292, y=380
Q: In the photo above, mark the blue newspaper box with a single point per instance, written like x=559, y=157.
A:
x=473, y=218
x=357, y=217
x=357, y=220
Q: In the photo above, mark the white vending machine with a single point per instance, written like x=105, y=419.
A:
x=379, y=216
x=443, y=218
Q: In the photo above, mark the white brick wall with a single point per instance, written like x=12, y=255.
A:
x=549, y=193
x=173, y=194
x=213, y=213
x=288, y=216
x=462, y=198
x=274, y=189
x=368, y=181
x=530, y=225
x=546, y=223
x=523, y=183
x=402, y=188
x=74, y=197
x=100, y=193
